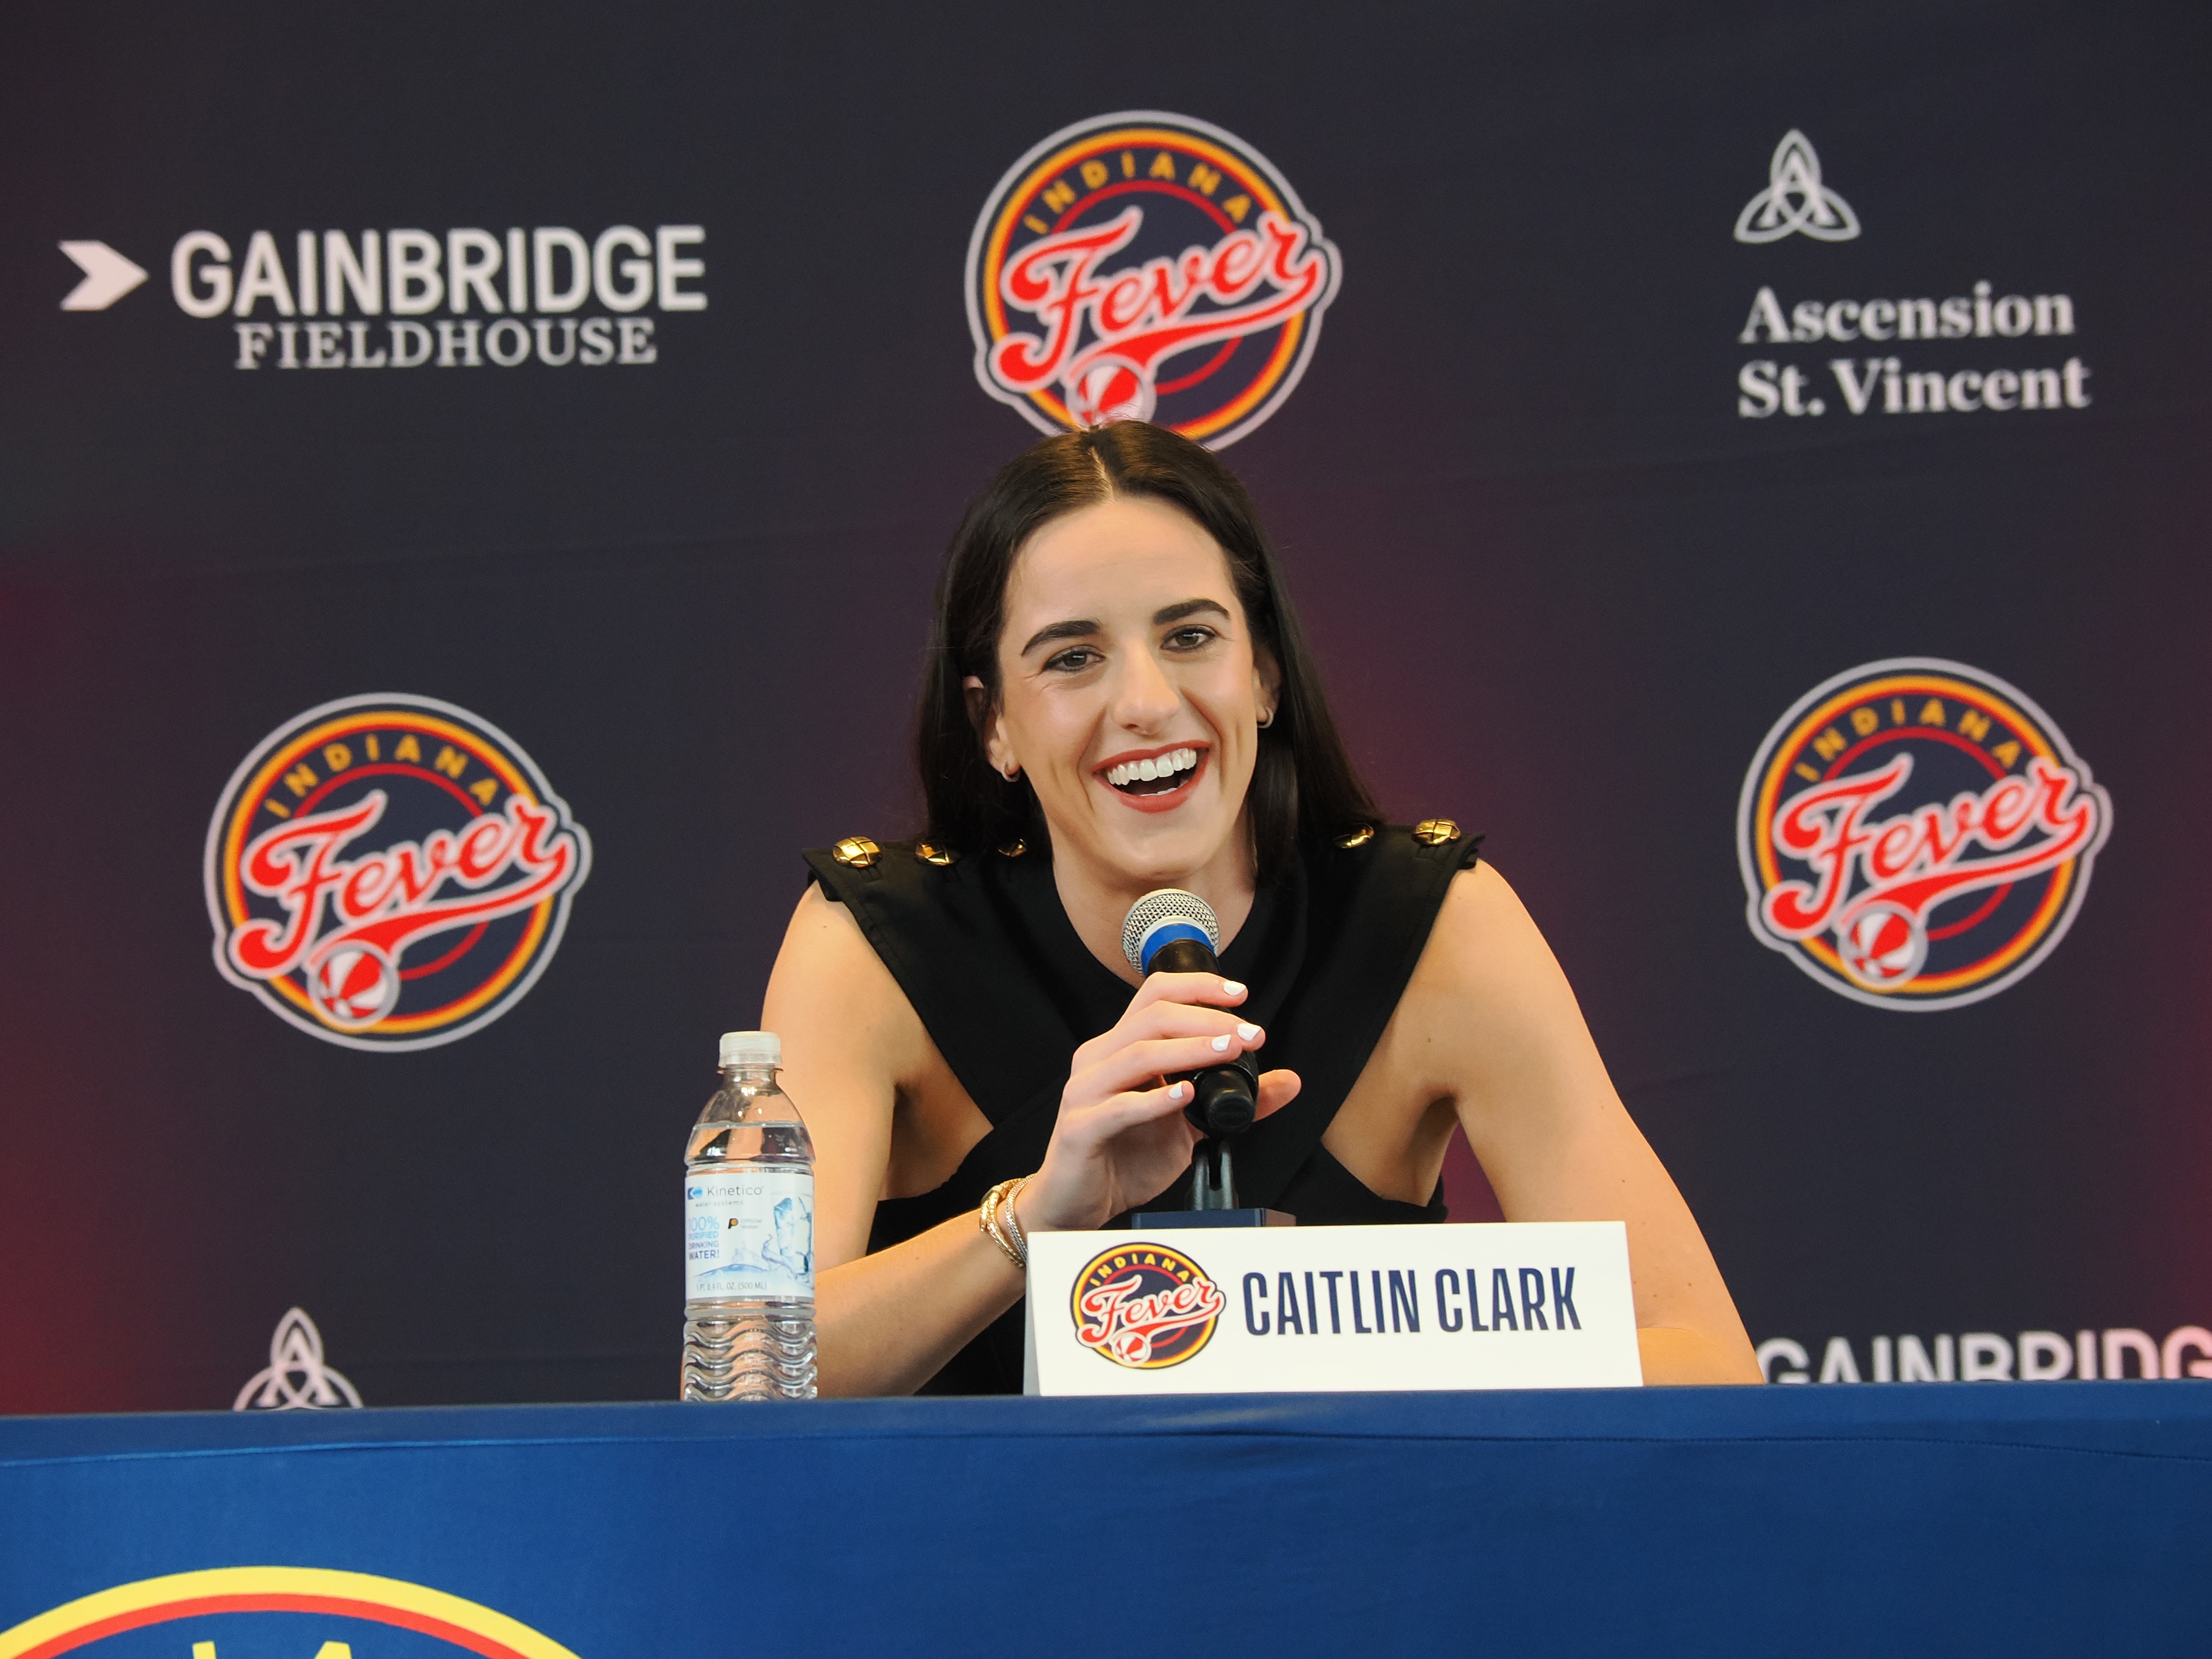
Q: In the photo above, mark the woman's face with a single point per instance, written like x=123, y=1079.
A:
x=1126, y=653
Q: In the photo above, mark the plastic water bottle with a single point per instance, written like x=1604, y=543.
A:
x=748, y=1236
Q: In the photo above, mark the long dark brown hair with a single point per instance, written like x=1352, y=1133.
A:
x=1303, y=784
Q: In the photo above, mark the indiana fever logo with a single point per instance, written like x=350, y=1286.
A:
x=1916, y=834
x=389, y=872
x=1146, y=266
x=1145, y=1306
x=233, y=1610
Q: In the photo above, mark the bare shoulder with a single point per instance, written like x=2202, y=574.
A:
x=852, y=1047
x=1484, y=941
x=822, y=935
x=1491, y=1004
x=830, y=991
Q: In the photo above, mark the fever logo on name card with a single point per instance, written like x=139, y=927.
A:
x=390, y=872
x=1916, y=834
x=1146, y=266
x=1145, y=1306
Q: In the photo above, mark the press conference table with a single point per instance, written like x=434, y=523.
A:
x=2044, y=1518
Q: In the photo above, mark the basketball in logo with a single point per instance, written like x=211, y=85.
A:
x=1916, y=834
x=389, y=872
x=1145, y=1306
x=1151, y=267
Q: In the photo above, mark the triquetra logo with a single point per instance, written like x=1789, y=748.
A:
x=1145, y=1306
x=390, y=872
x=1147, y=266
x=1916, y=834
x=1795, y=200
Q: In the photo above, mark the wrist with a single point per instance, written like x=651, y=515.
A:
x=1039, y=1214
x=1023, y=1220
x=1002, y=1225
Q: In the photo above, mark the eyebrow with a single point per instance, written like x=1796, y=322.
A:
x=1081, y=628
x=1189, y=608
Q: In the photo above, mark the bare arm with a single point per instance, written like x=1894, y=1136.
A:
x=1511, y=1046
x=885, y=1323
x=853, y=1046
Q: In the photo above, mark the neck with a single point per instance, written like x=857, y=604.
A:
x=1097, y=897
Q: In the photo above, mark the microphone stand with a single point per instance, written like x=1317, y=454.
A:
x=1212, y=1196
x=1212, y=1177
x=1224, y=1099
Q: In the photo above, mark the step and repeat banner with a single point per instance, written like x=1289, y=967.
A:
x=469, y=489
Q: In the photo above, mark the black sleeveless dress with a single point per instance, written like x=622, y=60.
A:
x=989, y=959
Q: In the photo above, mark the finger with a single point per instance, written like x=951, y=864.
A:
x=1161, y=1021
x=1153, y=1012
x=1135, y=1065
x=1204, y=989
x=1180, y=1019
x=1119, y=1113
x=1277, y=1090
x=1131, y=1065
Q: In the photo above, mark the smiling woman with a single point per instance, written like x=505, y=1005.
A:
x=1119, y=698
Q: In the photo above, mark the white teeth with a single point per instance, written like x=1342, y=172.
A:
x=1160, y=766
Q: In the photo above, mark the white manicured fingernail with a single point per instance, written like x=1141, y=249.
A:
x=1221, y=1043
x=1247, y=1032
x=1231, y=987
x=1178, y=1091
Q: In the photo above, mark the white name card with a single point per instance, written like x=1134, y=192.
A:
x=1273, y=1310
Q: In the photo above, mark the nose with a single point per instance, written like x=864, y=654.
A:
x=1144, y=699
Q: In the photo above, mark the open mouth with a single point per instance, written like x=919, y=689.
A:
x=1162, y=774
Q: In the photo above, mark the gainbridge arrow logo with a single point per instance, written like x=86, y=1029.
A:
x=107, y=275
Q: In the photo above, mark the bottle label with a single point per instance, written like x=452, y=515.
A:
x=748, y=1234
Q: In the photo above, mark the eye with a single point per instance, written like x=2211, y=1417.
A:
x=1191, y=637
x=1073, y=660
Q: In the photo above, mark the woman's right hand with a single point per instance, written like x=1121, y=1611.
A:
x=1121, y=1136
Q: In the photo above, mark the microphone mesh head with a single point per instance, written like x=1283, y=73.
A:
x=1166, y=904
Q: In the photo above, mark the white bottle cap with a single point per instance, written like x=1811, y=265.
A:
x=751, y=1048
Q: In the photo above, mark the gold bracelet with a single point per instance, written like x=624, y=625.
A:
x=1013, y=1220
x=988, y=1219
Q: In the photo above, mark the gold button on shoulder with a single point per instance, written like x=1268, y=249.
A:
x=1435, y=832
x=856, y=850
x=1014, y=848
x=929, y=853
x=1358, y=838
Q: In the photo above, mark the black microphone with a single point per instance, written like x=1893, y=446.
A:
x=1170, y=931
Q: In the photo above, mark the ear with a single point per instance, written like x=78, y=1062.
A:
x=984, y=715
x=1266, y=681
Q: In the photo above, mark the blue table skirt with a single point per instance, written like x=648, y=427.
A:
x=2060, y=1517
